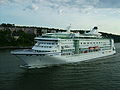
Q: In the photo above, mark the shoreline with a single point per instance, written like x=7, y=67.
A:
x=16, y=47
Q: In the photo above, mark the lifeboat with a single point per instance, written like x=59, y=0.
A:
x=96, y=47
x=91, y=48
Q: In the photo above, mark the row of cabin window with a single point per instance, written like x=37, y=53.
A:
x=41, y=51
x=68, y=50
x=47, y=43
x=37, y=55
x=80, y=52
x=67, y=40
x=66, y=54
x=88, y=42
x=45, y=46
x=92, y=42
x=44, y=51
x=108, y=48
x=83, y=49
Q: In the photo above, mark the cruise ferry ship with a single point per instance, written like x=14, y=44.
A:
x=66, y=47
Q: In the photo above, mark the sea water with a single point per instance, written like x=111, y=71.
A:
x=97, y=74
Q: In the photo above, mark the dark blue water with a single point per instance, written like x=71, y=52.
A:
x=97, y=74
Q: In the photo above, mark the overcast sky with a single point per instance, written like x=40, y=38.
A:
x=81, y=14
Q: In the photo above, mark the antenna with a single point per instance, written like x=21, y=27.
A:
x=68, y=28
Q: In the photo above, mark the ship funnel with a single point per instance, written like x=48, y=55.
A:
x=94, y=31
x=68, y=28
x=95, y=28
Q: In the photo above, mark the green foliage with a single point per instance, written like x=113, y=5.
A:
x=7, y=38
x=25, y=39
x=7, y=25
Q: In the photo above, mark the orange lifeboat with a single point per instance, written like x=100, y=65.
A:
x=91, y=48
x=96, y=47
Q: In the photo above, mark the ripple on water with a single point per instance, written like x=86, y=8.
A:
x=97, y=74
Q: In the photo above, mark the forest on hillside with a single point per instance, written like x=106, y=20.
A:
x=113, y=36
x=23, y=39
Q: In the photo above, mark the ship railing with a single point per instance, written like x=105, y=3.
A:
x=31, y=52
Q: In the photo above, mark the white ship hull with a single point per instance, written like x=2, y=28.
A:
x=35, y=61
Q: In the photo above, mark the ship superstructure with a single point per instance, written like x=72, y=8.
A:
x=66, y=47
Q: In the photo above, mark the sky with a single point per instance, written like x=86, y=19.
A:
x=81, y=14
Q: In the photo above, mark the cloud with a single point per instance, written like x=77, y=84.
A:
x=63, y=6
x=108, y=4
x=32, y=7
x=70, y=3
x=10, y=1
x=3, y=1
